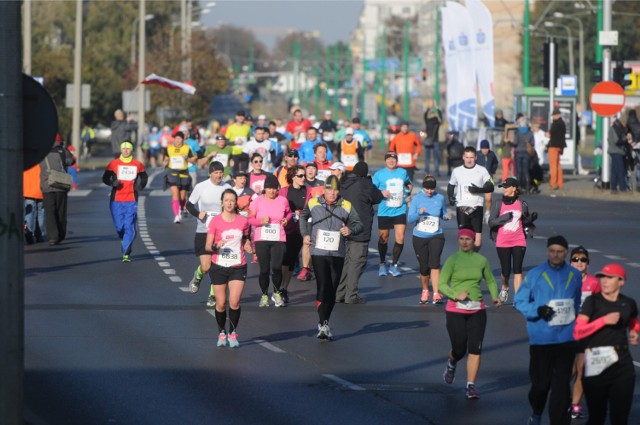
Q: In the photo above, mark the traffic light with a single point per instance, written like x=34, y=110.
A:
x=424, y=74
x=619, y=74
x=597, y=72
x=546, y=64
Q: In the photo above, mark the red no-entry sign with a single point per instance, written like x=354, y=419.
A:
x=607, y=98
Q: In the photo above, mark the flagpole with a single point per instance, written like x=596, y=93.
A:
x=140, y=87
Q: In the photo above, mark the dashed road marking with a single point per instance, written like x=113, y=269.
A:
x=344, y=383
x=636, y=265
x=79, y=193
x=269, y=346
x=169, y=271
x=614, y=257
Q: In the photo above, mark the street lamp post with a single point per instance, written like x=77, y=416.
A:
x=583, y=105
x=141, y=89
x=570, y=43
x=133, y=35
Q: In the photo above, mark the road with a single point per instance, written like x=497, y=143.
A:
x=114, y=343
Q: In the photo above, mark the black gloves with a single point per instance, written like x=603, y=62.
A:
x=534, y=216
x=545, y=312
x=116, y=183
x=508, y=215
x=475, y=189
x=452, y=201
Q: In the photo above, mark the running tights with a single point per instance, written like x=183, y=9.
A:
x=270, y=255
x=507, y=255
x=328, y=272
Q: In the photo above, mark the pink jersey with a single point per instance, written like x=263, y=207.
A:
x=276, y=209
x=590, y=286
x=512, y=233
x=232, y=252
x=256, y=182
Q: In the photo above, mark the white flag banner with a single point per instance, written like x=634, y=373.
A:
x=465, y=66
x=450, y=66
x=483, y=42
x=170, y=84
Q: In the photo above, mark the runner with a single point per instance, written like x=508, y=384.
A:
x=392, y=212
x=127, y=177
x=549, y=299
x=465, y=310
x=228, y=234
x=245, y=194
x=360, y=134
x=407, y=145
x=349, y=150
x=257, y=175
x=590, y=285
x=219, y=152
x=298, y=195
x=291, y=160
x=603, y=323
x=316, y=188
x=325, y=223
x=296, y=127
x=321, y=161
x=470, y=182
x=205, y=202
x=427, y=209
x=328, y=128
x=511, y=223
x=178, y=156
x=262, y=146
x=268, y=216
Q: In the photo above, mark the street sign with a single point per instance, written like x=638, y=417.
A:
x=607, y=98
x=568, y=85
x=85, y=96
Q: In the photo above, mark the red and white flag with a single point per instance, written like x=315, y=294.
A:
x=170, y=84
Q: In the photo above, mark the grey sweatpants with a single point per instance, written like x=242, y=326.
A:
x=355, y=260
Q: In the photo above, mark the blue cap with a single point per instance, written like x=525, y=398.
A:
x=485, y=144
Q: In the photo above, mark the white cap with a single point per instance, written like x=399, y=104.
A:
x=328, y=112
x=348, y=130
x=312, y=117
x=262, y=117
x=337, y=166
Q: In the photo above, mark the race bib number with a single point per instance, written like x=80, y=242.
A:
x=258, y=186
x=210, y=215
x=222, y=158
x=395, y=198
x=327, y=240
x=584, y=296
x=404, y=159
x=565, y=312
x=349, y=160
x=469, y=305
x=327, y=136
x=597, y=359
x=323, y=174
x=429, y=224
x=270, y=232
x=177, y=163
x=229, y=257
x=127, y=173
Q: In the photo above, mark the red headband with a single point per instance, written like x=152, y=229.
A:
x=466, y=232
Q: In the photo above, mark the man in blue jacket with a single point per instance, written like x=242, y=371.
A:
x=549, y=298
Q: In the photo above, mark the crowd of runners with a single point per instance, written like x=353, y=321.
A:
x=298, y=200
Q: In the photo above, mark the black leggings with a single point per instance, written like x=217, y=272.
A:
x=428, y=252
x=328, y=272
x=506, y=255
x=270, y=255
x=293, y=246
x=466, y=332
x=612, y=389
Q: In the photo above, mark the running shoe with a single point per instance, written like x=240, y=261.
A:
x=438, y=298
x=222, y=339
x=276, y=297
x=305, y=274
x=534, y=420
x=393, y=269
x=285, y=296
x=185, y=213
x=177, y=219
x=449, y=374
x=576, y=411
x=233, y=340
x=503, y=296
x=424, y=298
x=194, y=285
x=125, y=259
x=472, y=393
x=264, y=301
x=356, y=300
x=324, y=332
x=211, y=301
x=383, y=270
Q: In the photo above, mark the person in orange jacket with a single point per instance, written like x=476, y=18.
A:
x=407, y=145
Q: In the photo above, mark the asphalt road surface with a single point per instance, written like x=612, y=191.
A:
x=114, y=343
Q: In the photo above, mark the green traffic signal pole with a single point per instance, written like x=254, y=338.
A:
x=525, y=45
x=383, y=89
x=336, y=78
x=327, y=77
x=436, y=70
x=316, y=87
x=405, y=65
x=348, y=85
x=363, y=83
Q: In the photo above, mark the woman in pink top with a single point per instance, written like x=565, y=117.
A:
x=590, y=285
x=268, y=216
x=510, y=224
x=227, y=236
x=256, y=175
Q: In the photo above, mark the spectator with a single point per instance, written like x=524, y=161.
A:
x=121, y=130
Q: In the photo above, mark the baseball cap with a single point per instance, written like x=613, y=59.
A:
x=337, y=166
x=348, y=131
x=240, y=113
x=328, y=112
x=510, y=182
x=613, y=270
x=249, y=118
x=221, y=137
x=293, y=152
x=262, y=117
x=332, y=182
x=580, y=250
x=556, y=111
x=390, y=154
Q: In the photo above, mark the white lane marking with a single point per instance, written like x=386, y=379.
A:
x=164, y=264
x=158, y=258
x=150, y=246
x=269, y=346
x=182, y=288
x=614, y=257
x=153, y=176
x=169, y=271
x=154, y=252
x=145, y=239
x=79, y=193
x=156, y=193
x=594, y=250
x=636, y=265
x=344, y=383
x=637, y=364
x=375, y=251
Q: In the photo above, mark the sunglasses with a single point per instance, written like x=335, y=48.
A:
x=579, y=259
x=257, y=162
x=300, y=175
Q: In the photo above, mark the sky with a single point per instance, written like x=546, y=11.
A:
x=333, y=19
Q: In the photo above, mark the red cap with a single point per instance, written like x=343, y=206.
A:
x=58, y=137
x=613, y=270
x=466, y=232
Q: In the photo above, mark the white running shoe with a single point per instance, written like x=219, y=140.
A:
x=177, y=219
